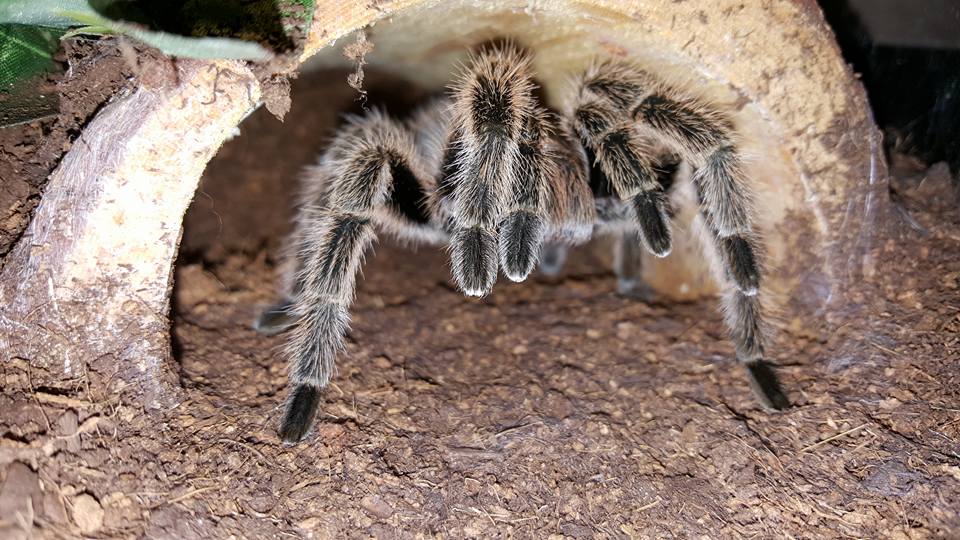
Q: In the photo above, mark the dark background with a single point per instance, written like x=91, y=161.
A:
x=908, y=55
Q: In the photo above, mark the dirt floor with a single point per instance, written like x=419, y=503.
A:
x=553, y=408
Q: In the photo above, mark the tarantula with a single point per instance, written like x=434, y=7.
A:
x=496, y=175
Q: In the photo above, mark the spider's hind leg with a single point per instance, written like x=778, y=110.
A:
x=703, y=135
x=744, y=317
x=707, y=137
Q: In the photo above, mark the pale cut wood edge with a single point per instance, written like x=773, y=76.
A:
x=88, y=286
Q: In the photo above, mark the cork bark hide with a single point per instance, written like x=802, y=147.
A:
x=90, y=282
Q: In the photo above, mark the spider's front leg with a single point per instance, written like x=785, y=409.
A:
x=625, y=158
x=522, y=229
x=492, y=105
x=353, y=189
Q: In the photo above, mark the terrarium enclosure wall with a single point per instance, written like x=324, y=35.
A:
x=139, y=400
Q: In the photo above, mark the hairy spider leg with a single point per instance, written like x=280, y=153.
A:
x=706, y=138
x=492, y=102
x=626, y=162
x=523, y=228
x=369, y=175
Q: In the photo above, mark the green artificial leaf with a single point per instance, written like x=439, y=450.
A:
x=31, y=30
x=80, y=13
x=42, y=12
x=26, y=55
x=25, y=51
x=53, y=13
x=207, y=48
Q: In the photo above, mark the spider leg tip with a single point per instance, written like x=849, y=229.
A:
x=298, y=418
x=291, y=434
x=475, y=261
x=518, y=277
x=476, y=293
x=766, y=386
x=659, y=247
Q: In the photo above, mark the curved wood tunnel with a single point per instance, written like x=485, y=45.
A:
x=92, y=277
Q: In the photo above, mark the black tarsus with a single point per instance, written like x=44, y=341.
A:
x=476, y=251
x=766, y=385
x=298, y=418
x=653, y=225
x=520, y=233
